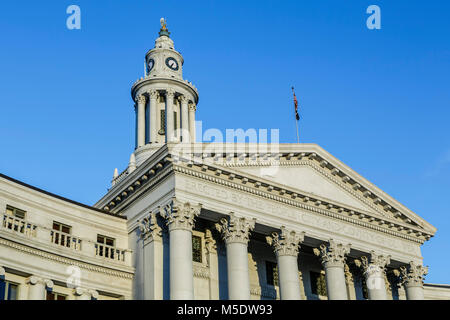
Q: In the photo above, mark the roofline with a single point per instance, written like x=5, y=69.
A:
x=60, y=197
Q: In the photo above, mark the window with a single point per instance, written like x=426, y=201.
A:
x=272, y=273
x=8, y=290
x=318, y=283
x=55, y=296
x=62, y=234
x=105, y=247
x=106, y=240
x=197, y=249
x=15, y=212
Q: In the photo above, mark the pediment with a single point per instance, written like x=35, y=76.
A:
x=305, y=178
x=308, y=169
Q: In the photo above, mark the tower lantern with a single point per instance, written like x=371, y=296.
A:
x=165, y=103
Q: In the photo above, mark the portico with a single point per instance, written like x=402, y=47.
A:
x=237, y=208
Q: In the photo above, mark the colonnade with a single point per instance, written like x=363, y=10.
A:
x=187, y=113
x=236, y=231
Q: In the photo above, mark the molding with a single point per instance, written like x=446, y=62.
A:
x=295, y=203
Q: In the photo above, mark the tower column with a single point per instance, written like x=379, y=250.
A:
x=374, y=272
x=141, y=121
x=286, y=247
x=185, y=132
x=192, y=109
x=412, y=278
x=180, y=219
x=333, y=259
x=236, y=232
x=154, y=95
x=170, y=93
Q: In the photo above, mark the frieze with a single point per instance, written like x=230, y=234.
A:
x=312, y=220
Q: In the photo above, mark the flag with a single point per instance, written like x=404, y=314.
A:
x=297, y=116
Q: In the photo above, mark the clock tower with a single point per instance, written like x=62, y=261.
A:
x=165, y=103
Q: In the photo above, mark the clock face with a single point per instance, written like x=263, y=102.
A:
x=150, y=65
x=172, y=63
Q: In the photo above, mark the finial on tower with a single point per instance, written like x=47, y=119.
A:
x=163, y=31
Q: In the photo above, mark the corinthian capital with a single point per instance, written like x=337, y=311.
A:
x=235, y=229
x=170, y=93
x=141, y=99
x=192, y=107
x=286, y=243
x=180, y=215
x=414, y=275
x=332, y=254
x=154, y=94
x=149, y=228
x=377, y=263
x=183, y=98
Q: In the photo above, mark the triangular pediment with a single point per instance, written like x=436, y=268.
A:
x=304, y=178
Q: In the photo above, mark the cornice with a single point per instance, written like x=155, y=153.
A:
x=286, y=199
x=260, y=154
x=164, y=80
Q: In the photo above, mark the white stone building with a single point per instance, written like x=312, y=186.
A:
x=192, y=220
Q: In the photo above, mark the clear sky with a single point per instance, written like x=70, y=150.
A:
x=378, y=100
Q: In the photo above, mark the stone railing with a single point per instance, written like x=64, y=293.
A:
x=18, y=225
x=109, y=252
x=65, y=240
x=38, y=233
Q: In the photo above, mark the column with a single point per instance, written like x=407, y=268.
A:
x=192, y=109
x=236, y=232
x=154, y=96
x=37, y=288
x=333, y=259
x=286, y=246
x=374, y=271
x=141, y=121
x=185, y=133
x=413, y=277
x=85, y=294
x=180, y=219
x=169, y=114
x=151, y=235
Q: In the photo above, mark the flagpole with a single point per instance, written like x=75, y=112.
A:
x=296, y=121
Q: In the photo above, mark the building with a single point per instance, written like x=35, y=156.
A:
x=191, y=220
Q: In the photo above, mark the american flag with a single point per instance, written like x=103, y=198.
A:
x=297, y=116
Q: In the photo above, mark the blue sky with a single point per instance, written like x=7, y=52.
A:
x=378, y=100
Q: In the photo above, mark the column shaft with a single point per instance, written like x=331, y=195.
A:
x=185, y=129
x=238, y=276
x=141, y=121
x=192, y=122
x=181, y=270
x=288, y=278
x=153, y=116
x=169, y=115
x=336, y=286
